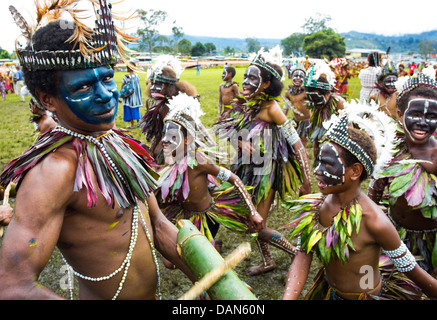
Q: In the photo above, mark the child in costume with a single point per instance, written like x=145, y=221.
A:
x=270, y=156
x=164, y=83
x=387, y=93
x=184, y=192
x=322, y=101
x=407, y=187
x=228, y=91
x=296, y=98
x=345, y=228
x=83, y=186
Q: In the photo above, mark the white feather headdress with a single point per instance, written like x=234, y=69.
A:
x=378, y=125
x=167, y=61
x=185, y=110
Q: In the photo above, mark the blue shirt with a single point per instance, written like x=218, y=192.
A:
x=19, y=75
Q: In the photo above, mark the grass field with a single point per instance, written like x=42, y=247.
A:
x=17, y=134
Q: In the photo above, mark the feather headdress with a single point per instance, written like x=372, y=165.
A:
x=262, y=57
x=92, y=47
x=166, y=61
x=318, y=69
x=186, y=111
x=379, y=126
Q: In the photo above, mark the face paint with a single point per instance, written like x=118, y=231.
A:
x=224, y=74
x=252, y=81
x=91, y=94
x=297, y=77
x=330, y=170
x=157, y=89
x=389, y=83
x=172, y=138
x=420, y=119
x=315, y=97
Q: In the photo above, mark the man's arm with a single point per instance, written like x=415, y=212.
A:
x=34, y=231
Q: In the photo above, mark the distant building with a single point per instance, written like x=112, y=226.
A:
x=361, y=54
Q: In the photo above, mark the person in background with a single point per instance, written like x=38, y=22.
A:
x=132, y=104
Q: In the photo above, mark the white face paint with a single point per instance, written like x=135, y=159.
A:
x=420, y=119
x=172, y=139
x=330, y=171
x=252, y=81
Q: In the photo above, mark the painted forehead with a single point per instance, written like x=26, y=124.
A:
x=427, y=105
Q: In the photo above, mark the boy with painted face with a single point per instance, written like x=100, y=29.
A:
x=228, y=91
x=184, y=191
x=297, y=99
x=408, y=182
x=83, y=186
x=346, y=229
x=387, y=93
x=270, y=155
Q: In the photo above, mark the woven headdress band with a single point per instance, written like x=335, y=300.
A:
x=261, y=62
x=338, y=133
x=413, y=82
x=95, y=47
x=312, y=79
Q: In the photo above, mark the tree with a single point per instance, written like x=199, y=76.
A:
x=326, y=43
x=210, y=47
x=198, y=49
x=184, y=47
x=252, y=45
x=4, y=54
x=426, y=48
x=293, y=43
x=148, y=34
x=229, y=51
x=177, y=35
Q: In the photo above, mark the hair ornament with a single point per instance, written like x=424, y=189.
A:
x=92, y=47
x=273, y=56
x=366, y=117
x=166, y=61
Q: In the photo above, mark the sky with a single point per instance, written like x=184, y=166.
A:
x=275, y=19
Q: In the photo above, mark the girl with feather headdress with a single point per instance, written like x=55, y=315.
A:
x=163, y=84
x=83, y=186
x=344, y=228
x=407, y=186
x=184, y=191
x=321, y=100
x=270, y=156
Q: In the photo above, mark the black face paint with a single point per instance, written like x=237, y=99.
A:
x=298, y=77
x=330, y=170
x=420, y=119
x=252, y=81
x=315, y=97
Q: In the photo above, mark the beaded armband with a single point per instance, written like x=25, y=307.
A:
x=289, y=132
x=402, y=258
x=224, y=174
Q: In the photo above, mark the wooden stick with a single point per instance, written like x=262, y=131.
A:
x=5, y=201
x=231, y=261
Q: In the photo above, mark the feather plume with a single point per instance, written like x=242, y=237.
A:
x=26, y=30
x=167, y=61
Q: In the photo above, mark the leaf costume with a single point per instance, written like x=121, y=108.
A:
x=123, y=168
x=334, y=242
x=316, y=130
x=281, y=171
x=409, y=179
x=227, y=207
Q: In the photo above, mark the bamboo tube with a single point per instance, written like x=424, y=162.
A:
x=231, y=261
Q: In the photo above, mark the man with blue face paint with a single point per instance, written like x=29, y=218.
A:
x=83, y=186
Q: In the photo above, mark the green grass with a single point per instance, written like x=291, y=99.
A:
x=17, y=135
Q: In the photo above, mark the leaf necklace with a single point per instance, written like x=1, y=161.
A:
x=333, y=241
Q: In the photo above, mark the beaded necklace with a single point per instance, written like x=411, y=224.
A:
x=126, y=262
x=134, y=229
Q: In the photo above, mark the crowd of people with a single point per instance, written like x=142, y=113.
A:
x=118, y=191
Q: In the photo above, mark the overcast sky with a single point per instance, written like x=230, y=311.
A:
x=269, y=19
